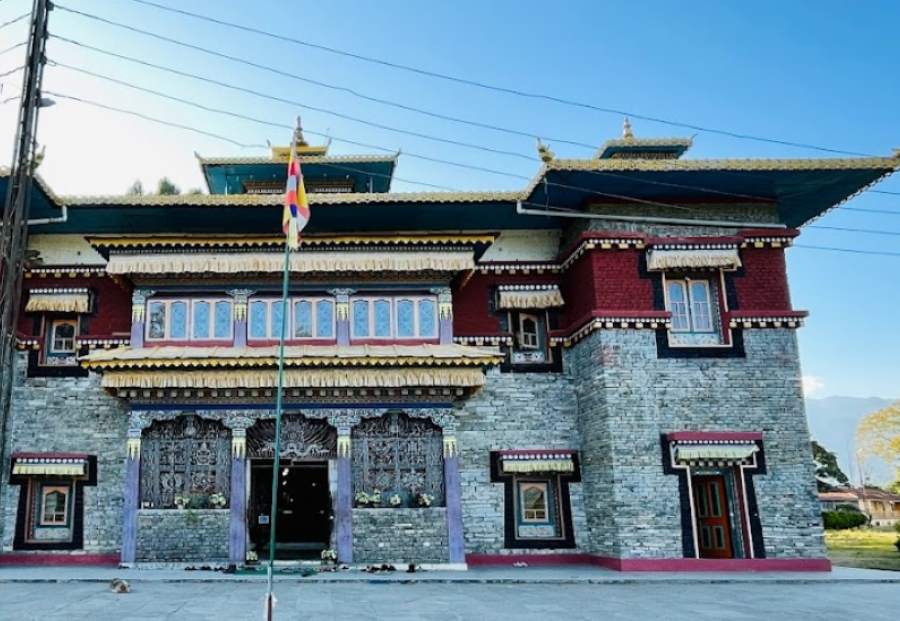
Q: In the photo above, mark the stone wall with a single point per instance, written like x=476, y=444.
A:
x=400, y=535
x=182, y=535
x=70, y=415
x=512, y=411
x=628, y=397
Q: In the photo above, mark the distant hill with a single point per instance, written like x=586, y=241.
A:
x=832, y=422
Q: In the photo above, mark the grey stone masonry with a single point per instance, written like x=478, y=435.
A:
x=182, y=535
x=69, y=414
x=400, y=535
x=628, y=397
x=512, y=411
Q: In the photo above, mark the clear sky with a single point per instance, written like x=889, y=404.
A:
x=822, y=73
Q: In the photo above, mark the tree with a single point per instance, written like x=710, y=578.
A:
x=828, y=472
x=136, y=189
x=878, y=435
x=166, y=187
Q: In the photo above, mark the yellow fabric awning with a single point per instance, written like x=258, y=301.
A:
x=396, y=260
x=172, y=356
x=726, y=258
x=58, y=301
x=525, y=298
x=49, y=466
x=538, y=465
x=715, y=452
x=298, y=378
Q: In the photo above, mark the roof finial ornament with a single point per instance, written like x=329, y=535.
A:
x=627, y=134
x=298, y=134
x=544, y=151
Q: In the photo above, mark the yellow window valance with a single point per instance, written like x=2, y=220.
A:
x=527, y=298
x=726, y=258
x=715, y=452
x=273, y=262
x=519, y=463
x=58, y=301
x=49, y=466
x=297, y=378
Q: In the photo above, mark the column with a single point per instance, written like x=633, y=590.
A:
x=445, y=314
x=237, y=521
x=343, y=515
x=138, y=310
x=453, y=493
x=342, y=314
x=239, y=315
x=131, y=495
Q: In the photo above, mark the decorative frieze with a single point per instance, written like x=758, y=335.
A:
x=239, y=307
x=139, y=303
x=787, y=321
x=612, y=323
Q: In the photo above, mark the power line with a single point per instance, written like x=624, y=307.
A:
x=866, y=210
x=407, y=153
x=271, y=97
x=851, y=250
x=888, y=192
x=14, y=20
x=11, y=71
x=12, y=47
x=350, y=169
x=852, y=230
x=476, y=83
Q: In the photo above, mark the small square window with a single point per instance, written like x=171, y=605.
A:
x=54, y=505
x=694, y=304
x=537, y=509
x=62, y=336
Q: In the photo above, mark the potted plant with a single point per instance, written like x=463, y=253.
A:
x=181, y=501
x=395, y=500
x=424, y=500
x=217, y=500
x=329, y=556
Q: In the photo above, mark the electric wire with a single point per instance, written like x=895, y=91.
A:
x=238, y=143
x=12, y=47
x=11, y=71
x=476, y=83
x=14, y=20
x=410, y=154
x=271, y=97
x=844, y=229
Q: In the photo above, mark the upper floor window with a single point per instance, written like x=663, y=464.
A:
x=54, y=505
x=694, y=307
x=530, y=345
x=393, y=318
x=309, y=318
x=62, y=337
x=189, y=319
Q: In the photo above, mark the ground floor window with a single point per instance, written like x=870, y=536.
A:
x=537, y=511
x=50, y=513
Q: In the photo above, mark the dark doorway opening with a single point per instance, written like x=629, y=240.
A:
x=303, y=527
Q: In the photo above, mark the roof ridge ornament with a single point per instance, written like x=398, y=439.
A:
x=544, y=152
x=627, y=133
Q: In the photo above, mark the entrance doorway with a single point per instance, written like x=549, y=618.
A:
x=303, y=527
x=711, y=508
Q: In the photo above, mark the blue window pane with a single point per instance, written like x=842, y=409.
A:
x=302, y=319
x=178, y=327
x=426, y=318
x=325, y=319
x=157, y=322
x=223, y=320
x=258, y=320
x=405, y=319
x=275, y=328
x=201, y=320
x=382, y=318
x=360, y=318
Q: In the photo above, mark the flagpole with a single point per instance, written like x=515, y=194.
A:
x=276, y=460
x=291, y=239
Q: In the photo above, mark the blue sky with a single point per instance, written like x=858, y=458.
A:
x=822, y=73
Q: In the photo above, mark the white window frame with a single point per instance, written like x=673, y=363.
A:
x=189, y=317
x=212, y=319
x=522, y=344
x=545, y=485
x=715, y=287
x=45, y=490
x=712, y=307
x=54, y=324
x=394, y=300
x=314, y=302
x=272, y=332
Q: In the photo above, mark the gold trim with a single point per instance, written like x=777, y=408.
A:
x=313, y=158
x=298, y=378
x=243, y=241
x=133, y=447
x=344, y=445
x=68, y=302
x=68, y=470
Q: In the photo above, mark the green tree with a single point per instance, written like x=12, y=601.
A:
x=165, y=187
x=828, y=472
x=136, y=189
x=878, y=435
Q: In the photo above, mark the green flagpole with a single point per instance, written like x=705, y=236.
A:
x=276, y=461
x=279, y=404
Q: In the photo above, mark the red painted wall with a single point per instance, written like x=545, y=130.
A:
x=112, y=305
x=471, y=301
x=763, y=285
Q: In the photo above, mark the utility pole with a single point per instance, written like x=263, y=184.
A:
x=14, y=228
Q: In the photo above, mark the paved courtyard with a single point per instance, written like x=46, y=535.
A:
x=360, y=600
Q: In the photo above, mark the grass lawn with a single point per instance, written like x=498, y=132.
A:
x=870, y=549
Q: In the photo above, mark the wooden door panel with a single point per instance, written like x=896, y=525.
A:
x=711, y=510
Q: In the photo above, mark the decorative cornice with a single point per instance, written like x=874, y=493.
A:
x=237, y=241
x=483, y=340
x=604, y=320
x=66, y=271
